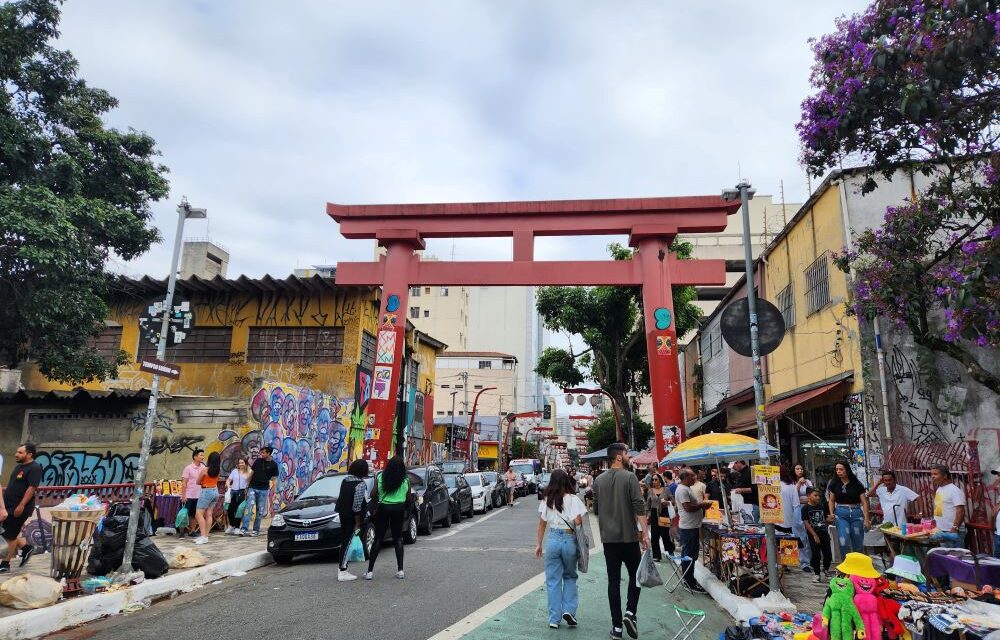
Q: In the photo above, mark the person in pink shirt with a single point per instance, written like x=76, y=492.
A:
x=191, y=488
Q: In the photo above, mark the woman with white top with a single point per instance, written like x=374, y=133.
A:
x=561, y=512
x=236, y=484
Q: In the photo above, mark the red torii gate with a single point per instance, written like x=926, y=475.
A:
x=651, y=223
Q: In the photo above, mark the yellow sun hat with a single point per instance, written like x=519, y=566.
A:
x=858, y=564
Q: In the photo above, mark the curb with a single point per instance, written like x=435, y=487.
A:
x=76, y=611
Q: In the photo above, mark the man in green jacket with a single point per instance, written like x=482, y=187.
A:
x=621, y=515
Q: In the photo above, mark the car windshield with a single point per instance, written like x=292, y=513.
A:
x=450, y=481
x=490, y=477
x=473, y=479
x=525, y=469
x=416, y=481
x=325, y=487
x=546, y=476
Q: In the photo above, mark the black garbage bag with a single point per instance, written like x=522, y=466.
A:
x=148, y=558
x=108, y=548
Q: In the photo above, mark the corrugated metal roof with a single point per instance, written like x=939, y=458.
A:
x=35, y=395
x=146, y=286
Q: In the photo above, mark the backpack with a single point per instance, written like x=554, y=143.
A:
x=345, y=501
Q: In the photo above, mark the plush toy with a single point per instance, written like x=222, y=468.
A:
x=888, y=611
x=840, y=615
x=867, y=603
x=819, y=629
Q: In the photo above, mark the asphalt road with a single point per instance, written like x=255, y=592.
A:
x=449, y=575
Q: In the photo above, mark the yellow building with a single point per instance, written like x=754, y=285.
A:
x=268, y=362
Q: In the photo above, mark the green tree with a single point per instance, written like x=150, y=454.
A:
x=521, y=449
x=72, y=193
x=604, y=432
x=610, y=322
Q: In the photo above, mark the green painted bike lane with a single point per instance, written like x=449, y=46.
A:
x=527, y=618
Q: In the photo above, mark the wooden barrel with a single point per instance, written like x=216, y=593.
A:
x=72, y=537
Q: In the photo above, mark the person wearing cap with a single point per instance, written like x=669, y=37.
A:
x=907, y=568
x=263, y=477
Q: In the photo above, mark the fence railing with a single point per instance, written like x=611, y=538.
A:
x=51, y=496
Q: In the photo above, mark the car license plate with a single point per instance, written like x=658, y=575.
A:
x=306, y=536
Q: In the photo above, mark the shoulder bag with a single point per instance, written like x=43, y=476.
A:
x=582, y=545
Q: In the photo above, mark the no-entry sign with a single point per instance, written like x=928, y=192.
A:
x=159, y=367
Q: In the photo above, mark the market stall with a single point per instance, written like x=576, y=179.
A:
x=738, y=556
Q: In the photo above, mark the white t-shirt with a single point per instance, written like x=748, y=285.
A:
x=789, y=503
x=899, y=498
x=572, y=507
x=946, y=499
x=238, y=481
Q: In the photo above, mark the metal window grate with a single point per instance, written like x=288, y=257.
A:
x=368, y=347
x=485, y=364
x=817, y=284
x=786, y=303
x=203, y=344
x=414, y=312
x=296, y=344
x=107, y=343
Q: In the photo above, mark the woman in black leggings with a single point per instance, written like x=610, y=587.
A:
x=392, y=490
x=657, y=499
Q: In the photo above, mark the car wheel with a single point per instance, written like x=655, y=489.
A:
x=447, y=519
x=456, y=515
x=368, y=539
x=426, y=521
x=410, y=533
x=282, y=558
x=472, y=510
x=497, y=501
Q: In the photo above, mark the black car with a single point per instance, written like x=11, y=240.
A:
x=311, y=524
x=433, y=497
x=497, y=487
x=461, y=496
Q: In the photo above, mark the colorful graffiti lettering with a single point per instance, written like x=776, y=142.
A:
x=63, y=468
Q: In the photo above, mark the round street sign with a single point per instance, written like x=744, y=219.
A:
x=736, y=327
x=180, y=323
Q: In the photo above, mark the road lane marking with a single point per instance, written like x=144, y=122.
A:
x=459, y=528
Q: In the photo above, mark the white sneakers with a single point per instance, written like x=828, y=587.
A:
x=201, y=540
x=345, y=576
x=400, y=574
x=230, y=531
x=369, y=575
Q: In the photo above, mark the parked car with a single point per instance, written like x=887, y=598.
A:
x=311, y=524
x=482, y=492
x=543, y=482
x=498, y=489
x=433, y=497
x=461, y=496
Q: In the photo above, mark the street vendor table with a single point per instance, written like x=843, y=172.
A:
x=166, y=507
x=916, y=545
x=968, y=568
x=748, y=572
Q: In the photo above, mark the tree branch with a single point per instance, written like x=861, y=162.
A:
x=954, y=350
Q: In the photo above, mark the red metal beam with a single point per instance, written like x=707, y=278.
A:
x=567, y=273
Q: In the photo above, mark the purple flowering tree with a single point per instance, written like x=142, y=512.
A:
x=915, y=85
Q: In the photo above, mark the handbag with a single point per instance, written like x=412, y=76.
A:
x=582, y=546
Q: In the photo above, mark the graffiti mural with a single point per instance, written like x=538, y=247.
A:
x=161, y=421
x=307, y=429
x=175, y=444
x=921, y=422
x=856, y=435
x=62, y=468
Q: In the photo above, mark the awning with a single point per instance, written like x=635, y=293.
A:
x=698, y=423
x=780, y=407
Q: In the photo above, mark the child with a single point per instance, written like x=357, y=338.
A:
x=815, y=519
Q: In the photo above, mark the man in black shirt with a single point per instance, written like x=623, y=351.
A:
x=743, y=485
x=19, y=503
x=263, y=476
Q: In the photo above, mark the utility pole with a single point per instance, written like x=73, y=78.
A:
x=184, y=211
x=745, y=193
x=465, y=409
x=451, y=429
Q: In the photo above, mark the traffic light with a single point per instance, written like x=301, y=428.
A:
x=547, y=412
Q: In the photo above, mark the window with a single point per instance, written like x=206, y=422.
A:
x=713, y=343
x=203, y=344
x=445, y=386
x=296, y=344
x=444, y=291
x=478, y=386
x=458, y=386
x=427, y=313
x=108, y=343
x=440, y=413
x=817, y=285
x=427, y=290
x=415, y=292
x=368, y=346
x=412, y=369
x=485, y=364
x=414, y=312
x=786, y=304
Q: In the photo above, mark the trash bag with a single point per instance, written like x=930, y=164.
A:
x=148, y=558
x=356, y=550
x=241, y=509
x=187, y=558
x=182, y=520
x=109, y=546
x=29, y=591
x=647, y=575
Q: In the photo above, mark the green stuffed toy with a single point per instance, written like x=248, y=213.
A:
x=840, y=615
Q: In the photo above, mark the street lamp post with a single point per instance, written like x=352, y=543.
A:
x=744, y=192
x=184, y=212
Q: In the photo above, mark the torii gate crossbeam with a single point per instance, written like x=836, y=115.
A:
x=651, y=224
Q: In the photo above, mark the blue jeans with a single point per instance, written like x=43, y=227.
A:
x=560, y=574
x=850, y=528
x=689, y=549
x=255, y=498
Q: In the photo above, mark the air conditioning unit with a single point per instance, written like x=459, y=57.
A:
x=10, y=380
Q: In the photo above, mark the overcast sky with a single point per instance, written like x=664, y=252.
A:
x=264, y=115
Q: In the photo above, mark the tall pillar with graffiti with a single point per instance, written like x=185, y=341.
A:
x=391, y=340
x=661, y=340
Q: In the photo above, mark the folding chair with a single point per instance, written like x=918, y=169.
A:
x=690, y=620
x=675, y=578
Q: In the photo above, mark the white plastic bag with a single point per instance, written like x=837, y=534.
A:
x=228, y=498
x=647, y=576
x=30, y=592
x=187, y=558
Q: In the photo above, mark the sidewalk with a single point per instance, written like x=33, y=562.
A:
x=226, y=555
x=527, y=618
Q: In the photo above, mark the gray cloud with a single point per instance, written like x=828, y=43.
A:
x=263, y=115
